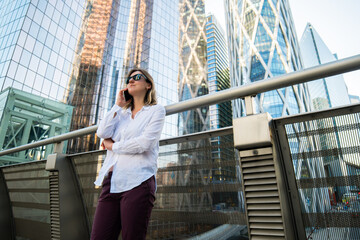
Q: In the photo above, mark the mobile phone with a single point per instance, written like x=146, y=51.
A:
x=127, y=95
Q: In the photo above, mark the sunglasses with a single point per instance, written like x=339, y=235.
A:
x=136, y=77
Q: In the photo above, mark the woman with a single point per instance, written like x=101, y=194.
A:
x=131, y=131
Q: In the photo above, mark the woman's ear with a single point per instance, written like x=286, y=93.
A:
x=148, y=87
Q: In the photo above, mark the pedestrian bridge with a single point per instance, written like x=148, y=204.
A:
x=294, y=177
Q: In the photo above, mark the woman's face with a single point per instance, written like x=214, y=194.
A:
x=139, y=87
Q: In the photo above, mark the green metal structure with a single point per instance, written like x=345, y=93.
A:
x=27, y=118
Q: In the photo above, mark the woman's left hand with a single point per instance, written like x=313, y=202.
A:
x=108, y=143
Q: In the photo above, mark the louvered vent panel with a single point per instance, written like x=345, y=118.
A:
x=54, y=205
x=261, y=195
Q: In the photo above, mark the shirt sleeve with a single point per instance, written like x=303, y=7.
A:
x=107, y=125
x=149, y=137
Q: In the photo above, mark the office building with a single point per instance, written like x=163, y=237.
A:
x=192, y=83
x=77, y=52
x=332, y=89
x=192, y=77
x=38, y=41
x=328, y=93
x=217, y=72
x=262, y=45
x=218, y=77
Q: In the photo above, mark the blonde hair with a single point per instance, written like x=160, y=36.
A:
x=150, y=96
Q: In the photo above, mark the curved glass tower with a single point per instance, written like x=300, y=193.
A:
x=263, y=44
x=192, y=77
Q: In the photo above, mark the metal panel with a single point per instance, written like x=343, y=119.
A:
x=55, y=205
x=187, y=198
x=321, y=156
x=67, y=200
x=261, y=194
x=6, y=218
x=27, y=187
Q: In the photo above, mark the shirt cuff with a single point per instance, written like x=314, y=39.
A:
x=116, y=147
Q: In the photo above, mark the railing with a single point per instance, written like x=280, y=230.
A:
x=321, y=150
x=56, y=198
x=302, y=76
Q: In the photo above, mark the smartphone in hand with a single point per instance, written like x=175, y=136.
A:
x=127, y=95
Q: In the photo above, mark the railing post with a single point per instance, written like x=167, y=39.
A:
x=267, y=206
x=249, y=105
x=67, y=212
x=58, y=147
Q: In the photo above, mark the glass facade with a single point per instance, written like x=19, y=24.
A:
x=220, y=114
x=192, y=64
x=91, y=66
x=152, y=43
x=263, y=44
x=77, y=52
x=146, y=36
x=328, y=92
x=218, y=72
x=222, y=150
x=37, y=44
x=192, y=82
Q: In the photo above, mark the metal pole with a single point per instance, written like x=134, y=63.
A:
x=302, y=76
x=306, y=75
x=51, y=140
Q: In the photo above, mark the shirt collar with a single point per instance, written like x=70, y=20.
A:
x=144, y=108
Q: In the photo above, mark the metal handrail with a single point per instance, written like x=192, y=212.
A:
x=298, y=77
x=252, y=89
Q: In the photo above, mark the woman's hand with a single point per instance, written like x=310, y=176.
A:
x=120, y=100
x=107, y=143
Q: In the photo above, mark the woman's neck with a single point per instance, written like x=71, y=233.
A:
x=138, y=103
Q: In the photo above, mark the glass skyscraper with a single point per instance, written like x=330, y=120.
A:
x=88, y=81
x=217, y=72
x=78, y=52
x=219, y=79
x=263, y=44
x=151, y=43
x=133, y=33
x=328, y=92
x=38, y=40
x=218, y=76
x=192, y=83
x=192, y=64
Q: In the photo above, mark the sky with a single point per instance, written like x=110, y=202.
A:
x=337, y=22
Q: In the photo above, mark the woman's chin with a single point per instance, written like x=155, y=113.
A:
x=134, y=92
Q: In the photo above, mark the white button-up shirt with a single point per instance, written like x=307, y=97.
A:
x=136, y=145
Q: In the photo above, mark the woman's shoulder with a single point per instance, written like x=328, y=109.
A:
x=158, y=107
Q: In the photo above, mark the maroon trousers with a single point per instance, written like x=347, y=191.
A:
x=127, y=212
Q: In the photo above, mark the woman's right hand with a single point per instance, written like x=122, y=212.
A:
x=120, y=100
